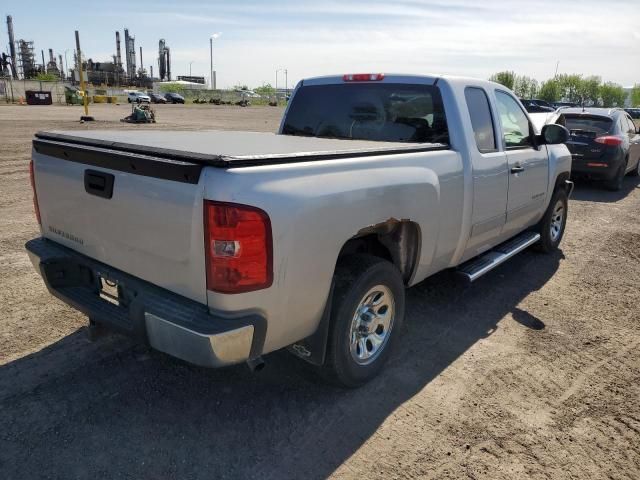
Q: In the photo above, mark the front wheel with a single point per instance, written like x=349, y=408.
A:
x=552, y=225
x=366, y=315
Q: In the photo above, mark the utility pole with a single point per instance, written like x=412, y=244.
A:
x=85, y=97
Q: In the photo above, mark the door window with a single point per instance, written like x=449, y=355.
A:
x=481, y=121
x=515, y=124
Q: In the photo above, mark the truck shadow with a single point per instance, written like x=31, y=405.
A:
x=72, y=410
x=592, y=191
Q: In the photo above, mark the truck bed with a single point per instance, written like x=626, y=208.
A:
x=222, y=149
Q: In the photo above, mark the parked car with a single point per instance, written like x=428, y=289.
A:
x=174, y=98
x=633, y=113
x=557, y=105
x=138, y=97
x=604, y=144
x=157, y=98
x=537, y=106
x=220, y=247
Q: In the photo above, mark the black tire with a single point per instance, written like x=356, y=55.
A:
x=551, y=238
x=636, y=171
x=354, y=278
x=615, y=184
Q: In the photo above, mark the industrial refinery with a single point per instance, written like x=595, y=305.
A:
x=23, y=61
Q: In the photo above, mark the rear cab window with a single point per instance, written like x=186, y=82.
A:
x=387, y=112
x=481, y=120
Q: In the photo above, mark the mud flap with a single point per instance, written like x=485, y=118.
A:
x=313, y=349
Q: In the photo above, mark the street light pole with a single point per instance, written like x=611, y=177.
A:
x=286, y=84
x=278, y=70
x=190, y=63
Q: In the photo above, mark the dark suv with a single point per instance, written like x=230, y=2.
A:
x=535, y=105
x=604, y=143
x=174, y=98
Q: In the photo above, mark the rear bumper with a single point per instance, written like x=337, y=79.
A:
x=603, y=168
x=168, y=322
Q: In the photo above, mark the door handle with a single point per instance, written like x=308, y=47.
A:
x=517, y=169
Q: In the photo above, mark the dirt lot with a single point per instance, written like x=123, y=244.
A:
x=532, y=372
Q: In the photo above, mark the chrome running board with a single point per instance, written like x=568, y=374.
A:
x=478, y=266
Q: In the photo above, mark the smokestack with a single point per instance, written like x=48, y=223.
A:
x=168, y=64
x=130, y=52
x=61, y=69
x=44, y=65
x=141, y=62
x=12, y=47
x=118, y=53
x=51, y=57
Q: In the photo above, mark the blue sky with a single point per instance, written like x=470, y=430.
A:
x=463, y=37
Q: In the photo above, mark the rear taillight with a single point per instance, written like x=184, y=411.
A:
x=238, y=247
x=363, y=77
x=35, y=195
x=609, y=140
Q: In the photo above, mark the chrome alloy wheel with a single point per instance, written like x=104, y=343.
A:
x=557, y=221
x=371, y=324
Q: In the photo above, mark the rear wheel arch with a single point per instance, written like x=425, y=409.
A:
x=397, y=241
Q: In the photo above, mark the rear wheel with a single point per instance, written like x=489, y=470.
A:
x=615, y=184
x=552, y=225
x=366, y=315
x=636, y=171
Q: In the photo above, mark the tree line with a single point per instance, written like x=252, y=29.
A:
x=589, y=90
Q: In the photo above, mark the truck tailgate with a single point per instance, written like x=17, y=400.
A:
x=149, y=227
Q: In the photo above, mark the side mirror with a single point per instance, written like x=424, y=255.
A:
x=553, y=134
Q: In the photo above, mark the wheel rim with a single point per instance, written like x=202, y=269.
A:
x=371, y=325
x=557, y=220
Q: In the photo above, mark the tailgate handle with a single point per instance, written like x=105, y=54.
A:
x=98, y=183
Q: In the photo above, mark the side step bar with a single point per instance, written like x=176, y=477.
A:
x=477, y=267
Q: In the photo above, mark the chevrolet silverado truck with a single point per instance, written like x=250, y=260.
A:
x=219, y=247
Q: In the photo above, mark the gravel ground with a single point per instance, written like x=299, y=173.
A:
x=531, y=372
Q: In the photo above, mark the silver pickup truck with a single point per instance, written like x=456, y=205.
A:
x=219, y=247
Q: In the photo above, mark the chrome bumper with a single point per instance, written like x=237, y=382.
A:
x=166, y=321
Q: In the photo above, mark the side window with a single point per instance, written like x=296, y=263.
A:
x=481, y=121
x=515, y=124
x=632, y=126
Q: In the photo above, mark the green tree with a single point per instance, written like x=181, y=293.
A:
x=589, y=90
x=570, y=87
x=635, y=95
x=550, y=91
x=266, y=90
x=506, y=78
x=46, y=77
x=612, y=95
x=525, y=87
x=172, y=88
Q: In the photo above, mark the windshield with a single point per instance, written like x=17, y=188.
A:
x=368, y=111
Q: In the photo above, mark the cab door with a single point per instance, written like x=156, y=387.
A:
x=528, y=165
x=490, y=175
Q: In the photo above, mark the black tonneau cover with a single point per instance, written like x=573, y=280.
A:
x=180, y=155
